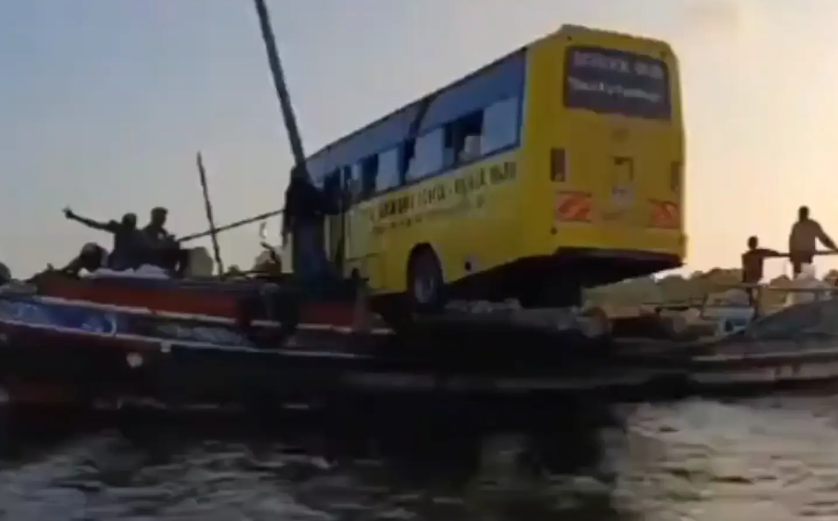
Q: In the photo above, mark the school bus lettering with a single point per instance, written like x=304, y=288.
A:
x=397, y=206
x=476, y=180
x=404, y=204
x=502, y=173
x=386, y=209
x=431, y=195
x=483, y=177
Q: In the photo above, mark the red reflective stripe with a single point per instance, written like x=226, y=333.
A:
x=573, y=206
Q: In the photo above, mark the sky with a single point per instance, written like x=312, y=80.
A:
x=104, y=104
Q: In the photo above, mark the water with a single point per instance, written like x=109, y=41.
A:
x=768, y=459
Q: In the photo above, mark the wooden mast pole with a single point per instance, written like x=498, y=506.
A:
x=213, y=231
x=282, y=93
x=300, y=170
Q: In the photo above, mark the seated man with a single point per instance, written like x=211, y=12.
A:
x=91, y=258
x=171, y=257
x=164, y=250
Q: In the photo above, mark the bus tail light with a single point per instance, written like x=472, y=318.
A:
x=558, y=165
x=676, y=174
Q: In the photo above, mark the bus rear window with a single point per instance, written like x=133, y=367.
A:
x=610, y=81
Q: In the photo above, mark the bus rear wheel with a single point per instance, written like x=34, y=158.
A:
x=425, y=284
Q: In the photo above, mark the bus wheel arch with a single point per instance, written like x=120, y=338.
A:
x=425, y=280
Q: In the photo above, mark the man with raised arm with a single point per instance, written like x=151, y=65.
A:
x=803, y=239
x=753, y=261
x=128, y=243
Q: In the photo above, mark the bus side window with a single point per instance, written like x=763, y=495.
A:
x=346, y=186
x=462, y=139
x=332, y=188
x=389, y=173
x=355, y=183
x=501, y=126
x=369, y=172
x=427, y=159
x=407, y=155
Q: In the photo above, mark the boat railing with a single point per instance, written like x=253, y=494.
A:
x=720, y=306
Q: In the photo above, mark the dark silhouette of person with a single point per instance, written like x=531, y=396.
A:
x=305, y=208
x=128, y=244
x=91, y=258
x=803, y=239
x=5, y=274
x=753, y=261
x=166, y=252
x=155, y=231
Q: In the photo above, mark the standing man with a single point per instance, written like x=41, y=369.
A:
x=803, y=239
x=753, y=261
x=305, y=208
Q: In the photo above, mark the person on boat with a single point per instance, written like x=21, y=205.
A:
x=753, y=261
x=803, y=239
x=5, y=274
x=165, y=251
x=305, y=208
x=128, y=244
x=92, y=257
x=155, y=230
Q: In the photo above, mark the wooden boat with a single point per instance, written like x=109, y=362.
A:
x=86, y=340
x=67, y=353
x=332, y=308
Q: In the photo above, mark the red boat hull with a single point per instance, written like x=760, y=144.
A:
x=207, y=300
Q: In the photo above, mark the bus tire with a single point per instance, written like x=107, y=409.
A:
x=425, y=284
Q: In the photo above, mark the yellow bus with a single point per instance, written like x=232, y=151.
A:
x=555, y=168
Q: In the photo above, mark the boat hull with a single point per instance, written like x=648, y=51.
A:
x=211, y=298
x=55, y=350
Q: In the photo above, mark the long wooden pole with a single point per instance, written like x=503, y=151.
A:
x=231, y=226
x=300, y=170
x=216, y=249
x=282, y=90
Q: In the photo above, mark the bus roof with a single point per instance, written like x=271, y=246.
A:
x=573, y=30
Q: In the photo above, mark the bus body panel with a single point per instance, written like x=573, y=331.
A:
x=621, y=186
x=468, y=216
